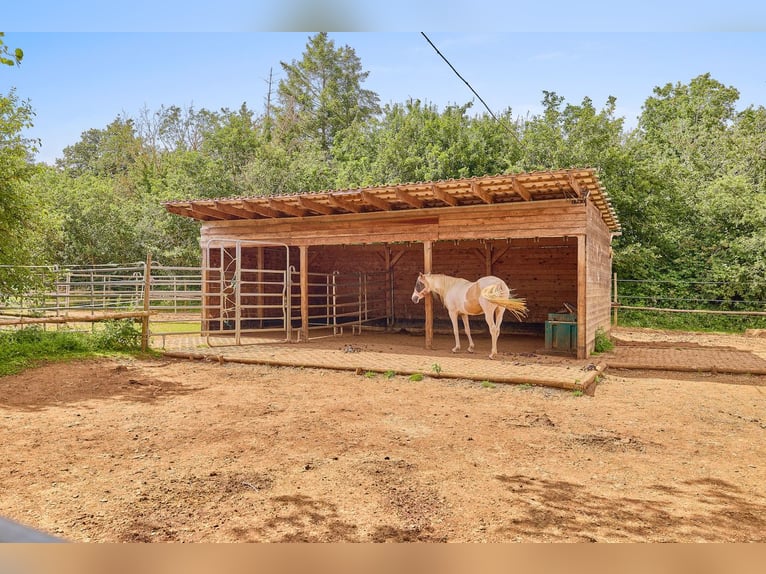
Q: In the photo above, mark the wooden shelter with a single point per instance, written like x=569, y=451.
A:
x=547, y=234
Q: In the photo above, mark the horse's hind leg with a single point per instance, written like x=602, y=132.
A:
x=468, y=333
x=494, y=319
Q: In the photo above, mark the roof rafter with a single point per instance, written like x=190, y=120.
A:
x=376, y=201
x=575, y=185
x=482, y=194
x=213, y=212
x=260, y=209
x=285, y=207
x=520, y=190
x=407, y=198
x=315, y=206
x=344, y=204
x=443, y=196
x=233, y=210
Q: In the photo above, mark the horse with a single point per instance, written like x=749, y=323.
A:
x=489, y=295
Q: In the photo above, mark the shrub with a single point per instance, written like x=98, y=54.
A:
x=603, y=342
x=119, y=335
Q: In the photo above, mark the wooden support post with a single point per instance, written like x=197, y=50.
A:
x=147, y=295
x=429, y=301
x=488, y=258
x=304, y=250
x=616, y=300
x=582, y=281
x=389, y=289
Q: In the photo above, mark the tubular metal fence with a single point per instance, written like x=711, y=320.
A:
x=238, y=301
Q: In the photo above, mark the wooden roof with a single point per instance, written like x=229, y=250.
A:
x=495, y=189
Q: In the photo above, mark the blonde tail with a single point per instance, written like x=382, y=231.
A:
x=517, y=307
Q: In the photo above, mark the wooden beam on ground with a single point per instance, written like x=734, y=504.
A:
x=375, y=201
x=410, y=200
x=315, y=206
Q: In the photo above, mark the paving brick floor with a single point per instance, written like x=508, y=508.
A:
x=350, y=353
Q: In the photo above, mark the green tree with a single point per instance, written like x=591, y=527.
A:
x=16, y=209
x=322, y=94
x=110, y=152
x=6, y=56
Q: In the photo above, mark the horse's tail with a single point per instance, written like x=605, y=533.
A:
x=517, y=307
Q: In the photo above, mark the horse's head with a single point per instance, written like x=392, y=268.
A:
x=421, y=288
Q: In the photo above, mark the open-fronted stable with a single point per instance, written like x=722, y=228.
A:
x=336, y=257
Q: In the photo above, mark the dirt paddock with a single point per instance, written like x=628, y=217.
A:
x=174, y=450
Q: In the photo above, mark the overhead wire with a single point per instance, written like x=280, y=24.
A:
x=470, y=87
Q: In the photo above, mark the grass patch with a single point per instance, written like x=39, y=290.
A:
x=416, y=377
x=164, y=328
x=690, y=321
x=23, y=348
x=487, y=385
x=389, y=374
x=603, y=342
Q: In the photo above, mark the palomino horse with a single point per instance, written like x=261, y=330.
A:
x=489, y=295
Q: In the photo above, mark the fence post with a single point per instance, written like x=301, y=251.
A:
x=616, y=301
x=147, y=295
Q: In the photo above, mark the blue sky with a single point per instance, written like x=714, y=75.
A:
x=81, y=73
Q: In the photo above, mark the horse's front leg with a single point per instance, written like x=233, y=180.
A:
x=453, y=318
x=468, y=333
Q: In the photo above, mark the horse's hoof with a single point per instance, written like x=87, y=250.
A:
x=470, y=349
x=492, y=357
x=456, y=349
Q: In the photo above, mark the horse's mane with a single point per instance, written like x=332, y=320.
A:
x=446, y=282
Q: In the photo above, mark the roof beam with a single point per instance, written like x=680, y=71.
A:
x=410, y=200
x=443, y=196
x=315, y=206
x=234, y=210
x=184, y=210
x=575, y=185
x=285, y=207
x=260, y=209
x=211, y=212
x=344, y=204
x=519, y=189
x=482, y=194
x=376, y=201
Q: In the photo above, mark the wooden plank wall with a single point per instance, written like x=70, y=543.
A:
x=543, y=271
x=598, y=253
x=553, y=218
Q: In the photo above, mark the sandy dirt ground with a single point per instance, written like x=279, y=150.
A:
x=165, y=450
